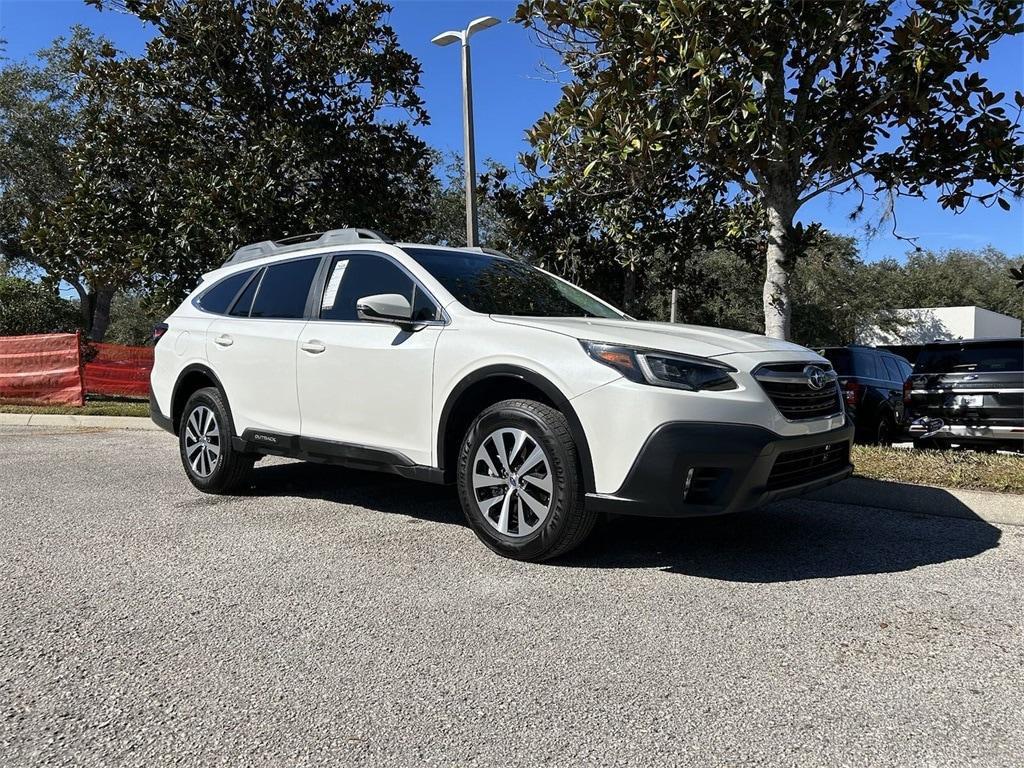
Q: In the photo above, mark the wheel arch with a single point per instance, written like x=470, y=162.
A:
x=192, y=378
x=492, y=384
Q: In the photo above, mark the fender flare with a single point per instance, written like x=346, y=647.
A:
x=182, y=375
x=550, y=390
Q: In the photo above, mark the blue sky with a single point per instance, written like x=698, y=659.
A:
x=512, y=90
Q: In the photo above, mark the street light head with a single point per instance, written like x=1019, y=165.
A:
x=478, y=25
x=447, y=38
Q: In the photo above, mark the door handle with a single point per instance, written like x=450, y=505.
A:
x=313, y=347
x=223, y=340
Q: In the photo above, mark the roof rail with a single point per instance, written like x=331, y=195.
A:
x=263, y=248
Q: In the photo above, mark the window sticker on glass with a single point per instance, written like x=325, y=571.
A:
x=331, y=291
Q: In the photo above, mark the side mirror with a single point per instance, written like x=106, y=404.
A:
x=384, y=308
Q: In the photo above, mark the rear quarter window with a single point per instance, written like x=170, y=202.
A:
x=218, y=298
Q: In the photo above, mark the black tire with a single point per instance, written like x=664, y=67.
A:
x=567, y=522
x=885, y=430
x=231, y=470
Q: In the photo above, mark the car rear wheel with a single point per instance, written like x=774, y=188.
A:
x=204, y=441
x=885, y=430
x=519, y=481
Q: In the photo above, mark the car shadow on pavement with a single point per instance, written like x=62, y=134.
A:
x=792, y=540
x=377, y=491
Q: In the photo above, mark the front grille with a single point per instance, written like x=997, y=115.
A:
x=798, y=467
x=791, y=392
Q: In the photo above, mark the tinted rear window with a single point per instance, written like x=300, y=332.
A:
x=982, y=357
x=866, y=363
x=840, y=359
x=218, y=298
x=284, y=289
x=244, y=302
x=854, y=362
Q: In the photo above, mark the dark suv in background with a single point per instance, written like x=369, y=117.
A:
x=968, y=393
x=872, y=384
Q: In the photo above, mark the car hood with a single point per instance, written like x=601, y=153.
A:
x=696, y=340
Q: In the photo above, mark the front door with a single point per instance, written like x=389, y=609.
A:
x=367, y=383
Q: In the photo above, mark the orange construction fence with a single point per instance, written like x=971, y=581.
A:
x=118, y=370
x=62, y=368
x=45, y=368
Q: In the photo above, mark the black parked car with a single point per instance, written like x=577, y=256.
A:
x=872, y=384
x=968, y=393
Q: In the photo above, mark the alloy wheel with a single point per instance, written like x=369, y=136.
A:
x=202, y=441
x=512, y=482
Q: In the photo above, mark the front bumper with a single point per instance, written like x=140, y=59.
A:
x=693, y=469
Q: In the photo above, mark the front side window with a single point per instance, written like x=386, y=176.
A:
x=497, y=285
x=218, y=298
x=284, y=289
x=354, y=277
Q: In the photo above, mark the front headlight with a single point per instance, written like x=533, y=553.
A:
x=663, y=369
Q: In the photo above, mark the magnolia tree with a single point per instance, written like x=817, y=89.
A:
x=243, y=120
x=776, y=102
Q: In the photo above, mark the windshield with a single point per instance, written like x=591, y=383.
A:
x=987, y=357
x=495, y=285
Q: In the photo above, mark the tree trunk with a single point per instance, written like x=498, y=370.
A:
x=101, y=313
x=781, y=258
x=629, y=289
x=94, y=305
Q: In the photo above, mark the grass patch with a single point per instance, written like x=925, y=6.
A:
x=120, y=408
x=950, y=469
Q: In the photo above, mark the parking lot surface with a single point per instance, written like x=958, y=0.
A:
x=333, y=617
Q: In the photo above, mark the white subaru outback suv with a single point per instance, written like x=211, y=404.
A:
x=544, y=404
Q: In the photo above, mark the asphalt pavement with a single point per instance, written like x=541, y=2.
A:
x=332, y=617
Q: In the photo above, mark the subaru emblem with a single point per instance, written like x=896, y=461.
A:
x=816, y=377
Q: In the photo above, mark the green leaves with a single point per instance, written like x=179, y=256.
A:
x=30, y=307
x=675, y=106
x=243, y=120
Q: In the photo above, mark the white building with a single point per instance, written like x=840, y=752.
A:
x=924, y=324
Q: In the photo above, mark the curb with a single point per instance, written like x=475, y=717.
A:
x=73, y=420
x=1002, y=508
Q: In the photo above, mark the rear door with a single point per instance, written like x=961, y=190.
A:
x=369, y=384
x=977, y=383
x=252, y=350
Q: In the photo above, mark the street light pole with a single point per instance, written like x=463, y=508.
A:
x=469, y=147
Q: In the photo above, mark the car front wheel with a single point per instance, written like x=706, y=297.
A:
x=519, y=481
